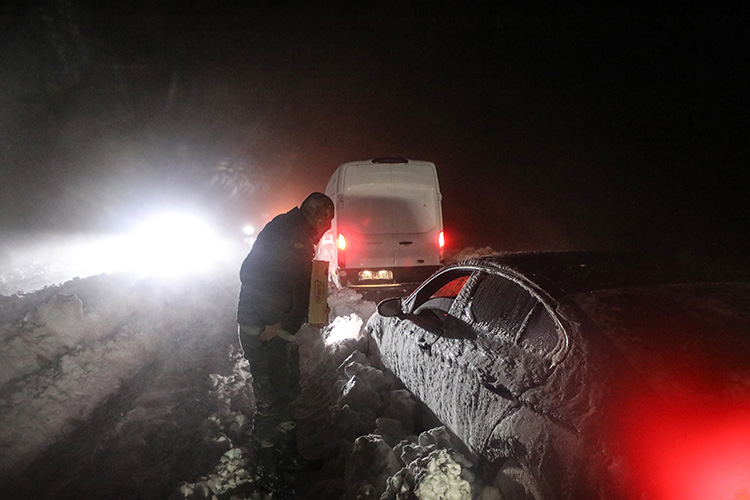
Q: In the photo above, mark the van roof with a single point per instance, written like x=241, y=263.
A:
x=381, y=161
x=369, y=175
x=389, y=160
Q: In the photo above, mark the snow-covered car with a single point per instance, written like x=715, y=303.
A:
x=582, y=375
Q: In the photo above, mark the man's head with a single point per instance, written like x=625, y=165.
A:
x=318, y=210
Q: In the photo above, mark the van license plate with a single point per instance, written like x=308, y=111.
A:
x=375, y=275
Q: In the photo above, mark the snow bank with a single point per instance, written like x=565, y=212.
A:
x=470, y=253
x=66, y=350
x=142, y=350
x=355, y=416
x=57, y=365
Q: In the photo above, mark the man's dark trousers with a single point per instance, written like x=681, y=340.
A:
x=274, y=366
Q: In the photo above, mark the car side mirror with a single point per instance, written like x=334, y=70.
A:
x=390, y=308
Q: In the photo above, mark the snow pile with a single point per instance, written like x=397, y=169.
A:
x=106, y=348
x=470, y=253
x=443, y=479
x=29, y=277
x=348, y=315
x=369, y=446
x=355, y=416
x=57, y=366
x=116, y=386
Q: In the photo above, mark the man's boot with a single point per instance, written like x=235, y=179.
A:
x=290, y=459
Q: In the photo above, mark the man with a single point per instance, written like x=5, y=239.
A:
x=273, y=304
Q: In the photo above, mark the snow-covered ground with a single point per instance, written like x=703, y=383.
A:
x=129, y=386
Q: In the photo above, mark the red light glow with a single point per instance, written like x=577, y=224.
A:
x=341, y=242
x=441, y=239
x=679, y=452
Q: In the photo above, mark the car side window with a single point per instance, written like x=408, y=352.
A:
x=540, y=334
x=501, y=307
x=452, y=288
x=433, y=302
x=445, y=286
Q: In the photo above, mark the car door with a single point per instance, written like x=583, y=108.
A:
x=514, y=339
x=423, y=346
x=434, y=308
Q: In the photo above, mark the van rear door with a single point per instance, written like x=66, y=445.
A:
x=417, y=223
x=392, y=212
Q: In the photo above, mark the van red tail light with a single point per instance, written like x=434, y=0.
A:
x=441, y=245
x=341, y=244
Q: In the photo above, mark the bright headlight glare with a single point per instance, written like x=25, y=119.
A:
x=169, y=244
x=172, y=243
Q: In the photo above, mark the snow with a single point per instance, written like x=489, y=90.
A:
x=122, y=386
x=442, y=479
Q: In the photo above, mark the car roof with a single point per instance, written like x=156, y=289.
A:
x=588, y=271
x=646, y=306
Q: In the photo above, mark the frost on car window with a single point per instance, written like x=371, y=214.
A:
x=540, y=333
x=500, y=306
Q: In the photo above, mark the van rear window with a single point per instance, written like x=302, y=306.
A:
x=390, y=199
x=400, y=211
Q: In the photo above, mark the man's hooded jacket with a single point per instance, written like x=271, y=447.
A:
x=275, y=275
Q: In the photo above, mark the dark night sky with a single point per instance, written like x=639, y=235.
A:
x=551, y=129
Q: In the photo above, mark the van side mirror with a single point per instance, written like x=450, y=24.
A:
x=390, y=307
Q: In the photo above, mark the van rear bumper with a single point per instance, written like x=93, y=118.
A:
x=401, y=275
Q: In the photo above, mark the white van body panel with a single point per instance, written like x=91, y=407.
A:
x=389, y=211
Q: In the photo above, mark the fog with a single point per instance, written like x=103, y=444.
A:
x=553, y=129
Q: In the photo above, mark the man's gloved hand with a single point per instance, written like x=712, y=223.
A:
x=270, y=331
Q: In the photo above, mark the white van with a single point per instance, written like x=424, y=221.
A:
x=388, y=225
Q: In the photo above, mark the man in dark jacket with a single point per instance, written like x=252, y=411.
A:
x=273, y=304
